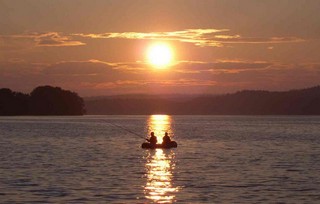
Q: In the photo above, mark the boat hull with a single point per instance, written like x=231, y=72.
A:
x=147, y=145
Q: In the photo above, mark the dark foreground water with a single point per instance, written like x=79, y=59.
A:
x=220, y=159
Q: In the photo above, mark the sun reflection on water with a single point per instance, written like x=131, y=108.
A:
x=159, y=124
x=160, y=164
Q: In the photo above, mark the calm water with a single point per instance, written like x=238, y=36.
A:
x=220, y=159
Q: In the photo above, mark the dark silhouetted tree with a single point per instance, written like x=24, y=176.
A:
x=44, y=100
x=48, y=100
x=13, y=103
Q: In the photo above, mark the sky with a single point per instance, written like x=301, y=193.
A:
x=99, y=47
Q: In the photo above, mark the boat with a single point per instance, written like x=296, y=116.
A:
x=147, y=145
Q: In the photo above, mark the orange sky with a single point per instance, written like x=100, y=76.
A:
x=98, y=47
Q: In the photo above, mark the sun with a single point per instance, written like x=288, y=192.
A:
x=160, y=55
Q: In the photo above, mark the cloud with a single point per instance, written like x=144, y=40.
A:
x=254, y=40
x=49, y=39
x=94, y=77
x=276, y=77
x=189, y=36
x=194, y=67
x=55, y=39
x=78, y=68
x=198, y=37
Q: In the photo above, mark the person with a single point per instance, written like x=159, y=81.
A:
x=166, y=139
x=153, y=139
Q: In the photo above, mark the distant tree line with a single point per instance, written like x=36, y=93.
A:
x=43, y=100
x=295, y=102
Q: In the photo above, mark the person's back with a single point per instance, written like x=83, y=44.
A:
x=153, y=139
x=166, y=139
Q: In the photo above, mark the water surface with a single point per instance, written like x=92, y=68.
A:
x=220, y=159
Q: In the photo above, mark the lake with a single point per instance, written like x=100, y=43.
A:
x=219, y=159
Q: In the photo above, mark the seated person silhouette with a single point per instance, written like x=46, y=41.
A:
x=166, y=139
x=153, y=139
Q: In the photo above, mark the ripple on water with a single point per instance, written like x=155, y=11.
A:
x=219, y=160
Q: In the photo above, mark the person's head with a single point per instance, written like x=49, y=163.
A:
x=152, y=133
x=166, y=134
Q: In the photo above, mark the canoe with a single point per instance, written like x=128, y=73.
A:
x=147, y=145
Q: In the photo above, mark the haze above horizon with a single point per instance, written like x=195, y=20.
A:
x=211, y=47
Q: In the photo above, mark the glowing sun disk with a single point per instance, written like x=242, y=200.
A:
x=160, y=55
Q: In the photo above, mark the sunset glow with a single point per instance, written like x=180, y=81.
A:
x=168, y=101
x=159, y=48
x=160, y=55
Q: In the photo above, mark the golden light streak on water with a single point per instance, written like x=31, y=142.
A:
x=159, y=187
x=160, y=164
x=160, y=124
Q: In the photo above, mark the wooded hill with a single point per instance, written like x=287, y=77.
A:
x=294, y=102
x=43, y=100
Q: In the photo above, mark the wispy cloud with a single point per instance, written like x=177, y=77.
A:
x=260, y=40
x=189, y=35
x=55, y=39
x=220, y=66
x=199, y=37
x=49, y=39
x=92, y=77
